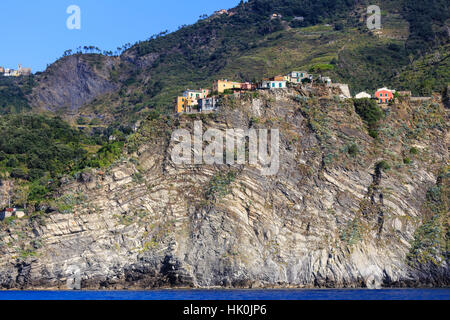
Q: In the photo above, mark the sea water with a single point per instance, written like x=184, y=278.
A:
x=300, y=294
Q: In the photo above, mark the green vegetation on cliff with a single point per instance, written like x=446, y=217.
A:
x=431, y=242
x=37, y=150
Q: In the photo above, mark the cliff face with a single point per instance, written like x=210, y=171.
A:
x=72, y=82
x=328, y=218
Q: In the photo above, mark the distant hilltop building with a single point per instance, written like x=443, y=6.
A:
x=221, y=85
x=277, y=82
x=220, y=12
x=363, y=95
x=15, y=73
x=276, y=16
x=384, y=95
x=297, y=76
x=24, y=71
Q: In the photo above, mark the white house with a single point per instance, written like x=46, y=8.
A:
x=273, y=84
x=363, y=95
x=326, y=80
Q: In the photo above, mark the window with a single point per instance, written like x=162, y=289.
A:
x=385, y=94
x=301, y=75
x=381, y=94
x=273, y=85
x=381, y=100
x=281, y=85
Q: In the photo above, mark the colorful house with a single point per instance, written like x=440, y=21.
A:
x=181, y=104
x=221, y=85
x=277, y=82
x=384, y=95
x=248, y=86
x=196, y=94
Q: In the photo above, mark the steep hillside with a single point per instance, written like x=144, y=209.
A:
x=72, y=82
x=344, y=210
x=327, y=37
x=427, y=74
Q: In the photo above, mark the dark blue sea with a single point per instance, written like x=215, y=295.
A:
x=301, y=294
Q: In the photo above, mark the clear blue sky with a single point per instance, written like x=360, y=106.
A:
x=34, y=32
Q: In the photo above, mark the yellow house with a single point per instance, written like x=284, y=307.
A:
x=184, y=104
x=181, y=104
x=221, y=85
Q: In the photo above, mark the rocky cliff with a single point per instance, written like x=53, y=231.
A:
x=72, y=82
x=344, y=210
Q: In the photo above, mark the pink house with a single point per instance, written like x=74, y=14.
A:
x=384, y=95
x=248, y=86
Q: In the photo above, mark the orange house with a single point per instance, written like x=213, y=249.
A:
x=384, y=95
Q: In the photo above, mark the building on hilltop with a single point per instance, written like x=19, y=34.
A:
x=181, y=104
x=221, y=85
x=248, y=86
x=277, y=82
x=220, y=12
x=23, y=71
x=8, y=72
x=363, y=95
x=384, y=95
x=190, y=99
x=275, y=16
x=15, y=73
x=326, y=80
x=195, y=95
x=207, y=104
x=297, y=76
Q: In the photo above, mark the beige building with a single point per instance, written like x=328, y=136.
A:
x=23, y=71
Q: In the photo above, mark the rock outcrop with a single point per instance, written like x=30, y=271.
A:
x=330, y=217
x=72, y=82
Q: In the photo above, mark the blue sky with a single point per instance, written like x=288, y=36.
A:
x=34, y=32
